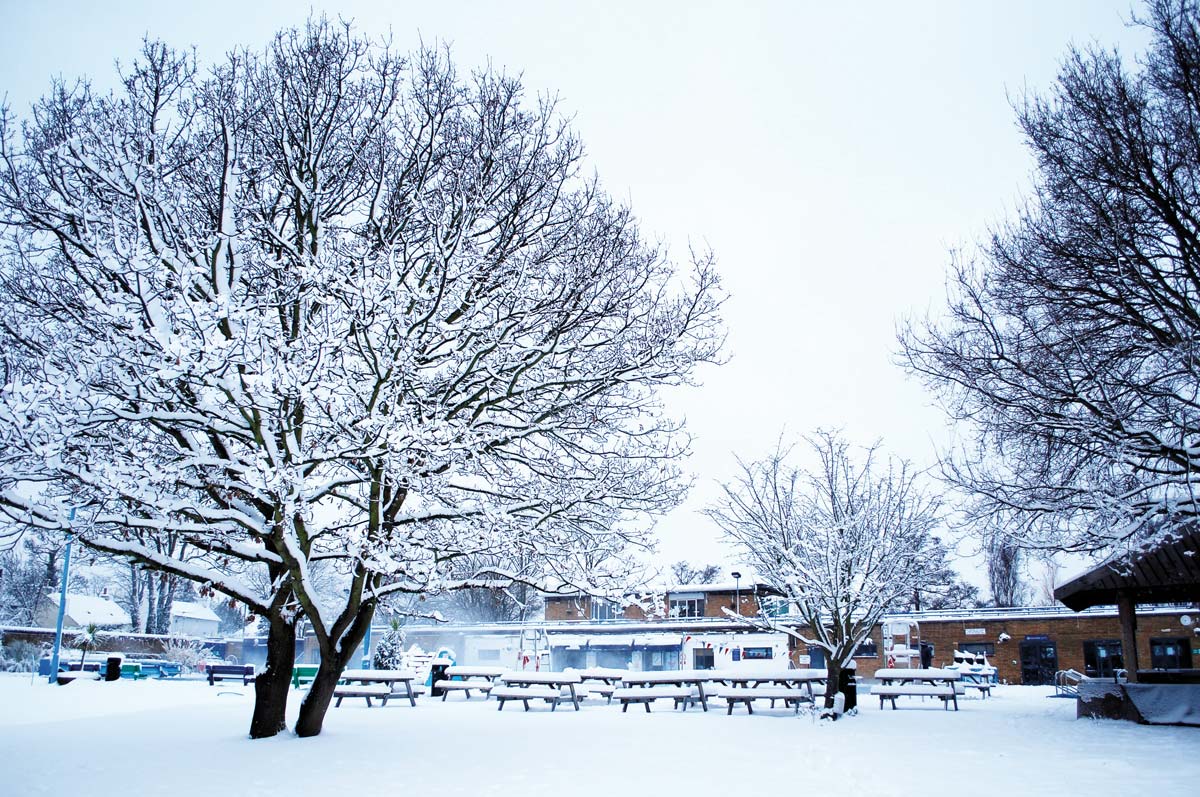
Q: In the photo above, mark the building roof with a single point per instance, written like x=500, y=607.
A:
x=193, y=611
x=87, y=609
x=1167, y=573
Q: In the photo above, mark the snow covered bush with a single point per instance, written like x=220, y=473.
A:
x=188, y=652
x=389, y=651
x=330, y=307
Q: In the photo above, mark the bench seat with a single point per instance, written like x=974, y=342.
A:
x=368, y=691
x=476, y=684
x=746, y=695
x=682, y=695
x=504, y=693
x=944, y=692
x=219, y=672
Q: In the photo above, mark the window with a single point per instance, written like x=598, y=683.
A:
x=489, y=655
x=604, y=609
x=660, y=659
x=757, y=653
x=978, y=648
x=775, y=606
x=1170, y=654
x=686, y=605
x=867, y=648
x=1101, y=657
x=703, y=659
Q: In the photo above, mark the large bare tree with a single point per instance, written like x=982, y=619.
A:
x=1070, y=344
x=323, y=307
x=844, y=539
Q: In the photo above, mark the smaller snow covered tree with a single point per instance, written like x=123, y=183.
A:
x=843, y=541
x=87, y=639
x=390, y=649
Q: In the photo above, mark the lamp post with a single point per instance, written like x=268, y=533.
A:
x=737, y=592
x=62, y=607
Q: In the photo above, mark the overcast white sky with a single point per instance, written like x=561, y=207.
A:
x=830, y=153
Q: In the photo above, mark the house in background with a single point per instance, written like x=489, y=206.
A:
x=83, y=610
x=193, y=619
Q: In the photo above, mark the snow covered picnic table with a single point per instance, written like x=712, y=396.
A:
x=898, y=682
x=680, y=679
x=468, y=679
x=548, y=686
x=793, y=687
x=381, y=684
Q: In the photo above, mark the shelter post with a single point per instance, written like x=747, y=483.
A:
x=1127, y=610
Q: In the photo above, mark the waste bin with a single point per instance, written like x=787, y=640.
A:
x=848, y=686
x=437, y=672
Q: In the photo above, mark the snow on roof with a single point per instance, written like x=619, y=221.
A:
x=744, y=585
x=193, y=611
x=86, y=609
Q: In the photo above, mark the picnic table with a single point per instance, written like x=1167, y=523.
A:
x=791, y=686
x=382, y=684
x=981, y=681
x=602, y=680
x=933, y=682
x=468, y=678
x=526, y=686
x=661, y=681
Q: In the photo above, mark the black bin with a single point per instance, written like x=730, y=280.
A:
x=112, y=669
x=848, y=686
x=437, y=673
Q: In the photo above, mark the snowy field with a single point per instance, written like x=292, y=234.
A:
x=187, y=738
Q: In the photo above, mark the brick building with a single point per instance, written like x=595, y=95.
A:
x=678, y=602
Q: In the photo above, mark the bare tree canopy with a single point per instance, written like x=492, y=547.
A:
x=684, y=572
x=1071, y=339
x=844, y=541
x=326, y=306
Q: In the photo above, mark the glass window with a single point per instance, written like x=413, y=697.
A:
x=703, y=659
x=604, y=609
x=757, y=653
x=687, y=607
x=1170, y=654
x=978, y=648
x=867, y=648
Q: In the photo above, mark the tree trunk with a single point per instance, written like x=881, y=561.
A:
x=272, y=684
x=335, y=654
x=320, y=695
x=833, y=675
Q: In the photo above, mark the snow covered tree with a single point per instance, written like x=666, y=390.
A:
x=389, y=651
x=328, y=307
x=843, y=541
x=1004, y=560
x=1070, y=343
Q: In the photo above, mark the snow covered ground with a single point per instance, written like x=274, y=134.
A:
x=187, y=738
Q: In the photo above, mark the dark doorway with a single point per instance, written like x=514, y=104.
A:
x=1102, y=658
x=1039, y=661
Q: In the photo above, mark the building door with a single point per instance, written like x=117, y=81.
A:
x=1039, y=661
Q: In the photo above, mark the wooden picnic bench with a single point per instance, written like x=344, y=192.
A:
x=696, y=680
x=602, y=681
x=682, y=695
x=467, y=679
x=219, y=672
x=380, y=692
x=381, y=684
x=895, y=682
x=526, y=686
x=792, y=687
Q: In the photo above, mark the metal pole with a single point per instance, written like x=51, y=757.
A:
x=62, y=607
x=366, y=659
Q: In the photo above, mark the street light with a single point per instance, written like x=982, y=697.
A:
x=737, y=592
x=62, y=608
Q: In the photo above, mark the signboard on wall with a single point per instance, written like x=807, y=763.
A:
x=975, y=631
x=807, y=659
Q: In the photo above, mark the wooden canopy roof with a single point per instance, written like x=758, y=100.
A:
x=1169, y=573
